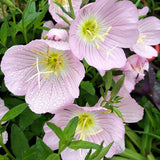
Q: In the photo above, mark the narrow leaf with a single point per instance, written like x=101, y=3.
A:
x=108, y=80
x=133, y=137
x=14, y=112
x=83, y=144
x=57, y=130
x=103, y=152
x=70, y=129
x=97, y=152
x=64, y=18
x=53, y=156
x=117, y=87
x=132, y=155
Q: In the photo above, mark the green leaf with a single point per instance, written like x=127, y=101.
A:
x=19, y=143
x=4, y=157
x=14, y=112
x=83, y=144
x=39, y=151
x=118, y=158
x=64, y=10
x=84, y=2
x=88, y=87
x=42, y=149
x=57, y=130
x=71, y=8
x=88, y=154
x=133, y=137
x=64, y=18
x=146, y=139
x=149, y=134
x=53, y=156
x=63, y=144
x=108, y=82
x=116, y=110
x=70, y=129
x=132, y=155
x=27, y=118
x=3, y=33
x=97, y=152
x=117, y=87
x=31, y=154
x=103, y=152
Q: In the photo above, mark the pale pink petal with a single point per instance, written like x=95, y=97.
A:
x=143, y=11
x=123, y=18
x=131, y=111
x=144, y=50
x=150, y=28
x=5, y=137
x=17, y=66
x=3, y=109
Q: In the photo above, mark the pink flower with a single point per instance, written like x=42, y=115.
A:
x=100, y=29
x=3, y=111
x=54, y=9
x=45, y=71
x=55, y=33
x=131, y=111
x=149, y=34
x=93, y=126
x=134, y=71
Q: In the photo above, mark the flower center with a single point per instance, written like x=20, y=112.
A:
x=62, y=2
x=86, y=125
x=91, y=31
x=85, y=122
x=53, y=61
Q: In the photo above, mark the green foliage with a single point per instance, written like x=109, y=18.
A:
x=14, y=112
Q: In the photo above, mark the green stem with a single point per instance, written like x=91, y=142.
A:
x=14, y=21
x=6, y=150
x=23, y=25
x=137, y=3
x=6, y=22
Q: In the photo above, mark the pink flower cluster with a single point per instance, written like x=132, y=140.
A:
x=49, y=71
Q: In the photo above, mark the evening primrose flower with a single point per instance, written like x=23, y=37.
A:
x=149, y=35
x=134, y=71
x=101, y=29
x=45, y=71
x=3, y=111
x=54, y=9
x=93, y=126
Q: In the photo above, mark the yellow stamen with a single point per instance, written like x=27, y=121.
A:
x=38, y=52
x=108, y=111
x=94, y=133
x=140, y=40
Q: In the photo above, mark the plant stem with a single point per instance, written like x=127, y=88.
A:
x=5, y=148
x=137, y=3
x=6, y=22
